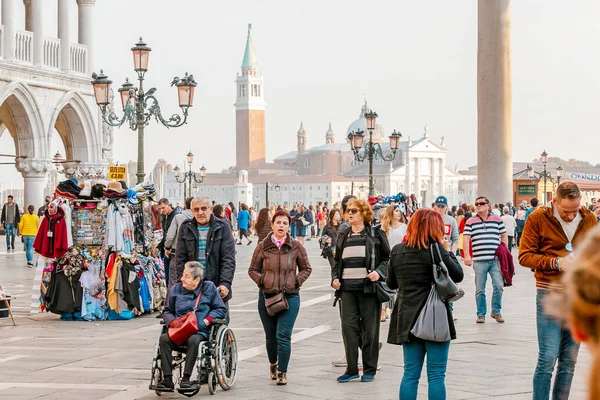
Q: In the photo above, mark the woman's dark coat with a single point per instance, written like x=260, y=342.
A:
x=411, y=272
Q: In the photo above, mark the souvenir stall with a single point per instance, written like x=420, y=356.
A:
x=97, y=244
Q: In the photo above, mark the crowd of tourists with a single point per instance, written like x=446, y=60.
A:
x=390, y=258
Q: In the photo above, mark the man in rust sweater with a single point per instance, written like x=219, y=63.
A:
x=551, y=234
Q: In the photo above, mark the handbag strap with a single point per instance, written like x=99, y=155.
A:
x=373, y=251
x=197, y=300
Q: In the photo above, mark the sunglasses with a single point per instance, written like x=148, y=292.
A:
x=352, y=210
x=198, y=209
x=481, y=204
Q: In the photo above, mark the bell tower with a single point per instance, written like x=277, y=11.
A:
x=250, y=110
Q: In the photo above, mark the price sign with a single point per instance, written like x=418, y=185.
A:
x=117, y=172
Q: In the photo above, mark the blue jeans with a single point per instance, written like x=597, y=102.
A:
x=11, y=231
x=293, y=231
x=278, y=330
x=482, y=269
x=555, y=343
x=29, y=247
x=414, y=357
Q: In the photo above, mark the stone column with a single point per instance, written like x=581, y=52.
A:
x=37, y=26
x=494, y=130
x=34, y=173
x=64, y=34
x=408, y=177
x=28, y=25
x=442, y=175
x=418, y=178
x=86, y=28
x=434, y=190
x=9, y=12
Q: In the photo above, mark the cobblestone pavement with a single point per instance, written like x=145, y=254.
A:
x=44, y=358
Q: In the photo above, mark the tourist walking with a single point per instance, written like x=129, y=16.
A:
x=171, y=239
x=552, y=233
x=393, y=224
x=510, y=223
x=484, y=232
x=279, y=267
x=11, y=216
x=243, y=222
x=302, y=220
x=263, y=223
x=331, y=231
x=28, y=226
x=451, y=231
x=411, y=272
x=361, y=260
x=168, y=214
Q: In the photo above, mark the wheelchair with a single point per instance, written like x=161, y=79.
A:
x=217, y=363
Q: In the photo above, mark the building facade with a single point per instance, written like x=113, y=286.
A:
x=45, y=87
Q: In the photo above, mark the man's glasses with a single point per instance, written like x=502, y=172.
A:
x=481, y=204
x=198, y=209
x=352, y=210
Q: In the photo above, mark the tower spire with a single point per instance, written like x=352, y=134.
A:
x=249, y=55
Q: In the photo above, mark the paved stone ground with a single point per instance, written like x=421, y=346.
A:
x=44, y=358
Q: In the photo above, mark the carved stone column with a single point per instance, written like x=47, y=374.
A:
x=34, y=173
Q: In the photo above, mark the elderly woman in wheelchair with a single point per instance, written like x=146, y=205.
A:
x=210, y=310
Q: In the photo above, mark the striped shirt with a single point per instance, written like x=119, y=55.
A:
x=202, y=235
x=354, y=262
x=485, y=236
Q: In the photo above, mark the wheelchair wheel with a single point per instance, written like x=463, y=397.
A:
x=227, y=358
x=212, y=383
x=156, y=377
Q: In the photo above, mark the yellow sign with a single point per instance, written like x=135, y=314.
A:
x=117, y=173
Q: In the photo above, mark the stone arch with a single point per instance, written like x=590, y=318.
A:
x=74, y=123
x=19, y=113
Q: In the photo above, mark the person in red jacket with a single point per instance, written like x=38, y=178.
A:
x=51, y=240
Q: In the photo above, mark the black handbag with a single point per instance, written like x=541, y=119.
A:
x=383, y=291
x=445, y=286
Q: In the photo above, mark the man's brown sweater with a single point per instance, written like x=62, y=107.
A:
x=543, y=240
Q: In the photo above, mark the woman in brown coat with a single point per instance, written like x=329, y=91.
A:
x=279, y=265
x=263, y=224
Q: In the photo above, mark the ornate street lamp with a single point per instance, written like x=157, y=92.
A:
x=267, y=186
x=372, y=150
x=139, y=106
x=559, y=172
x=545, y=173
x=530, y=171
x=189, y=174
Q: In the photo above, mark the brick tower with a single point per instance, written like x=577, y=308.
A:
x=250, y=111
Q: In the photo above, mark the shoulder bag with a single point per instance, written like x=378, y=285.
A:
x=445, y=286
x=278, y=302
x=432, y=323
x=182, y=328
x=383, y=291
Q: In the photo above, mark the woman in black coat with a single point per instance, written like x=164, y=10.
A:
x=331, y=230
x=411, y=272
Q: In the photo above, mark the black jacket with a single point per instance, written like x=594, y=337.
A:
x=220, y=251
x=17, y=214
x=376, y=242
x=411, y=272
x=165, y=224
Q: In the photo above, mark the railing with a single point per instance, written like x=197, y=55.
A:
x=79, y=58
x=24, y=46
x=52, y=52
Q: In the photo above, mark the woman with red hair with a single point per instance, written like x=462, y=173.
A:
x=411, y=272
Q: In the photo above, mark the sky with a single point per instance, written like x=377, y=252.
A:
x=415, y=61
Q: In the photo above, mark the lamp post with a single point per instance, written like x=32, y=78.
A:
x=139, y=106
x=267, y=185
x=189, y=174
x=559, y=173
x=372, y=150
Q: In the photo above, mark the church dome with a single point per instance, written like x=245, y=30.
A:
x=361, y=124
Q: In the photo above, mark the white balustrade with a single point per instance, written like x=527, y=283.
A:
x=52, y=52
x=79, y=58
x=24, y=46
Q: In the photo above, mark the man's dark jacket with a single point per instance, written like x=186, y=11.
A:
x=17, y=213
x=220, y=251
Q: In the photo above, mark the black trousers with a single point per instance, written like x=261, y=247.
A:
x=166, y=353
x=360, y=314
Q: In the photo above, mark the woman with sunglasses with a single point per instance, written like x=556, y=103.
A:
x=393, y=224
x=361, y=259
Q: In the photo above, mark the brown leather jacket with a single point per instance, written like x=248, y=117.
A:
x=269, y=264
